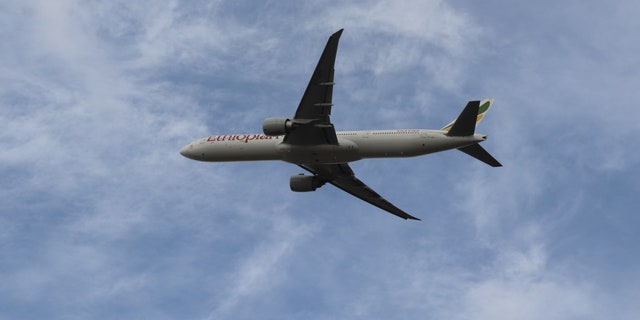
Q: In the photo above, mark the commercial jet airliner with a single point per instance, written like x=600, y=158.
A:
x=310, y=140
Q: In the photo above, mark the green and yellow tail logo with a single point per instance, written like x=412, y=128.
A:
x=484, y=107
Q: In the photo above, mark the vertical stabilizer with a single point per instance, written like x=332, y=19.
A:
x=465, y=124
x=482, y=110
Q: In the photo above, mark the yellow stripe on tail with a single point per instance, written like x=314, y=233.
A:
x=484, y=107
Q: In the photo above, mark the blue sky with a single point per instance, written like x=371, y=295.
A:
x=101, y=217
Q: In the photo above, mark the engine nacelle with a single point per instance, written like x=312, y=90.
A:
x=304, y=183
x=276, y=126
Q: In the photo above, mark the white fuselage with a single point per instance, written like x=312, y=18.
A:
x=352, y=146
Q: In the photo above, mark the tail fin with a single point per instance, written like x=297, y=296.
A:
x=483, y=107
x=465, y=125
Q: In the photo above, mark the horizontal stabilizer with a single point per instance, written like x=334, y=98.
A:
x=465, y=125
x=478, y=152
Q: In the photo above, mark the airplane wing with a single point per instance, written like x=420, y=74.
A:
x=312, y=126
x=341, y=176
x=312, y=123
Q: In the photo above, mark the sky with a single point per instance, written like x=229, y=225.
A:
x=101, y=217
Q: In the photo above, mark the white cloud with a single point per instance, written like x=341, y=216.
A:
x=261, y=269
x=499, y=299
x=390, y=38
x=430, y=21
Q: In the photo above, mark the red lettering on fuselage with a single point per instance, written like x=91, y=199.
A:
x=240, y=137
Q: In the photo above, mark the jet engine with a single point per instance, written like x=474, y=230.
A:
x=276, y=126
x=304, y=183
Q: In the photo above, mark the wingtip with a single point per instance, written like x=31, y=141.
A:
x=407, y=216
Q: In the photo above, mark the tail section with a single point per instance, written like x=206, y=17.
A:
x=465, y=125
x=483, y=107
x=478, y=152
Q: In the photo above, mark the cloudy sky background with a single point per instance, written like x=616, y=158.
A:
x=101, y=218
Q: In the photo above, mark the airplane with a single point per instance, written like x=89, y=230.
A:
x=310, y=140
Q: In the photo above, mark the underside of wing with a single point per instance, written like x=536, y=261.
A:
x=341, y=176
x=312, y=125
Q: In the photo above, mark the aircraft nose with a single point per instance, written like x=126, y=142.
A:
x=187, y=151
